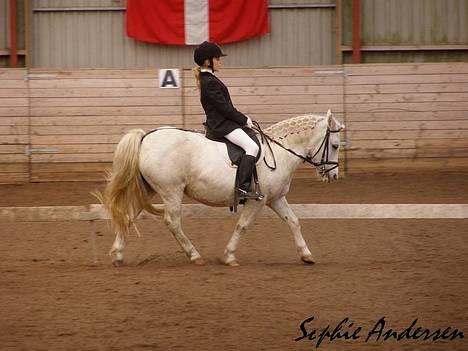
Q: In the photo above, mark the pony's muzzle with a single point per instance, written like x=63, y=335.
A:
x=332, y=175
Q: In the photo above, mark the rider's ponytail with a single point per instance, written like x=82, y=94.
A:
x=196, y=71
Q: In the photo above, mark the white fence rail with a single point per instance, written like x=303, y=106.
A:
x=303, y=211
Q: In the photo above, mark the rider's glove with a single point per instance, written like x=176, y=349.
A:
x=249, y=122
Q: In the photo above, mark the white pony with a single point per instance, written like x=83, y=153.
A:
x=173, y=162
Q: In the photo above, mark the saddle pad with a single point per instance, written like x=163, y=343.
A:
x=235, y=152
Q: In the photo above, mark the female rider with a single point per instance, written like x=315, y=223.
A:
x=222, y=119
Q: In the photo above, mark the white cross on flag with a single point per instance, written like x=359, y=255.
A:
x=189, y=22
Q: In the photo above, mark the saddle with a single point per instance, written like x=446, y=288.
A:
x=235, y=152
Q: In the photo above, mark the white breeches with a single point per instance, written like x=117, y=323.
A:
x=240, y=138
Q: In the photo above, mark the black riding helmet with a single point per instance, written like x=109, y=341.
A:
x=207, y=50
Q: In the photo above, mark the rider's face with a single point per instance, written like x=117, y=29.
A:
x=216, y=64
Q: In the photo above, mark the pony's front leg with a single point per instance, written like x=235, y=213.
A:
x=247, y=216
x=284, y=211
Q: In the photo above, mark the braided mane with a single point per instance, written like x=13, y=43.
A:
x=293, y=125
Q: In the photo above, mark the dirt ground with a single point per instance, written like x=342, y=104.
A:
x=53, y=298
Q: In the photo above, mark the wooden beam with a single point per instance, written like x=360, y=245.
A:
x=450, y=47
x=13, y=36
x=338, y=32
x=123, y=9
x=301, y=6
x=6, y=52
x=28, y=33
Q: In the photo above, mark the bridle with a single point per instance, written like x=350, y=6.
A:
x=265, y=139
x=324, y=147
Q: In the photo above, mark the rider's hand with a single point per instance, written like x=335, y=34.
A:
x=249, y=122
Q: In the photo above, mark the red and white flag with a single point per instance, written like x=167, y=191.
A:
x=189, y=22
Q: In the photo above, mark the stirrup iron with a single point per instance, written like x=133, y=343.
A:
x=249, y=195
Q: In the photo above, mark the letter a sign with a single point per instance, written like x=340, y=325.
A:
x=169, y=78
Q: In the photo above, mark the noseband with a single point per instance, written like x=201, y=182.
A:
x=324, y=147
x=324, y=161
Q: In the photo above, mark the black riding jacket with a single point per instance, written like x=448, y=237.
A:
x=221, y=116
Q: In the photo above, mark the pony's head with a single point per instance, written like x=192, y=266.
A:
x=317, y=137
x=327, y=148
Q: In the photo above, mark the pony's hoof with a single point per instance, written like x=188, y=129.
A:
x=118, y=263
x=230, y=263
x=308, y=259
x=233, y=264
x=199, y=261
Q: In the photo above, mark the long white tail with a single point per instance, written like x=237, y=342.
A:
x=126, y=192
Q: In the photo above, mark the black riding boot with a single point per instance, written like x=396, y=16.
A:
x=246, y=168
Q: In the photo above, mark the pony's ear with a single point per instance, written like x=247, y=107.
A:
x=333, y=123
x=330, y=118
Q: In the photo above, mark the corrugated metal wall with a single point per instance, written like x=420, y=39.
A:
x=410, y=23
x=303, y=33
x=300, y=36
x=421, y=22
x=3, y=33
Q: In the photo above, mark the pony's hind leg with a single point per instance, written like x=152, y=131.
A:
x=120, y=243
x=172, y=218
x=116, y=251
x=284, y=211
